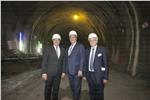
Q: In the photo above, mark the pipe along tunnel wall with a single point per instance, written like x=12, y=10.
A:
x=118, y=25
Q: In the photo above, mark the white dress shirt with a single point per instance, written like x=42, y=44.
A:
x=58, y=51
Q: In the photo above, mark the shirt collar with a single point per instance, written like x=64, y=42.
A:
x=94, y=47
x=55, y=46
x=74, y=44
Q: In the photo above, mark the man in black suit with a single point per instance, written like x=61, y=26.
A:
x=96, y=69
x=52, y=68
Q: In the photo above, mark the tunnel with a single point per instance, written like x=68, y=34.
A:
x=123, y=28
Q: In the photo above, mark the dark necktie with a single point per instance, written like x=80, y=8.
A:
x=92, y=60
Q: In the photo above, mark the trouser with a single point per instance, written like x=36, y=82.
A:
x=75, y=84
x=52, y=87
x=96, y=89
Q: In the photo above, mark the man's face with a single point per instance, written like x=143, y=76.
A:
x=73, y=38
x=56, y=42
x=93, y=42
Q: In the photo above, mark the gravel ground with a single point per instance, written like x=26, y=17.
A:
x=30, y=86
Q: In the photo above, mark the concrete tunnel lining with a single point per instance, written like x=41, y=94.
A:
x=99, y=21
x=116, y=23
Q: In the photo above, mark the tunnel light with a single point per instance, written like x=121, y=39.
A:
x=75, y=17
x=39, y=48
x=21, y=46
x=79, y=16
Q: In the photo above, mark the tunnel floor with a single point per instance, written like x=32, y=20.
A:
x=30, y=86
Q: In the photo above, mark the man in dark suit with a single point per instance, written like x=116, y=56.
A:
x=52, y=68
x=74, y=62
x=96, y=69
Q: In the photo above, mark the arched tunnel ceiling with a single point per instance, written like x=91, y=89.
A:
x=98, y=17
x=116, y=23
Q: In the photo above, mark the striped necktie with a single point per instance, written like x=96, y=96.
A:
x=92, y=60
x=70, y=50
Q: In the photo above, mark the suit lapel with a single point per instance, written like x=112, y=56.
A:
x=60, y=52
x=88, y=53
x=67, y=51
x=96, y=53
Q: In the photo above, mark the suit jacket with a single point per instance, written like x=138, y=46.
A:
x=100, y=64
x=76, y=60
x=51, y=64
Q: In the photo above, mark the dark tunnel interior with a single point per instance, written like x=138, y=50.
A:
x=122, y=27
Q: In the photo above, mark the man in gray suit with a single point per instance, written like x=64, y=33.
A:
x=52, y=68
x=74, y=62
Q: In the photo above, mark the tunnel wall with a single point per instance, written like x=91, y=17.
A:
x=144, y=44
x=119, y=26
